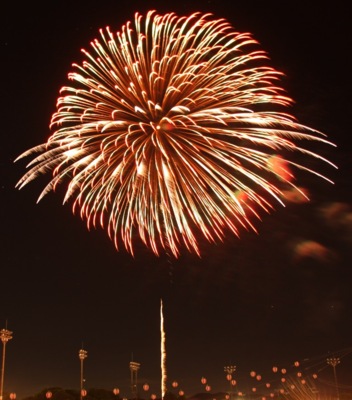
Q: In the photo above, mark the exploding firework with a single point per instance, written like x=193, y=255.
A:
x=173, y=129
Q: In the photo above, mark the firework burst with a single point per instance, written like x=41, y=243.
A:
x=172, y=130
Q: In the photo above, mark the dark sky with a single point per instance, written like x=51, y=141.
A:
x=274, y=298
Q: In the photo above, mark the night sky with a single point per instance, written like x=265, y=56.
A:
x=272, y=298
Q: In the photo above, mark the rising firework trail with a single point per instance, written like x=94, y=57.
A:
x=173, y=128
x=163, y=353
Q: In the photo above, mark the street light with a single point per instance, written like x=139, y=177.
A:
x=134, y=367
x=333, y=361
x=5, y=336
x=82, y=356
x=230, y=369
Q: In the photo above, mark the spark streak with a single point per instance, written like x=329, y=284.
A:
x=163, y=354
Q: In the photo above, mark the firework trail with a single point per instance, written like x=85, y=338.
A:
x=163, y=353
x=173, y=129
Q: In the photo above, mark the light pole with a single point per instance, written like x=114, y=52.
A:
x=134, y=367
x=5, y=336
x=230, y=369
x=82, y=356
x=333, y=361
